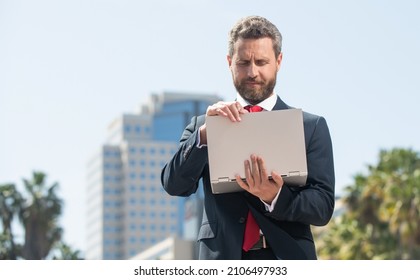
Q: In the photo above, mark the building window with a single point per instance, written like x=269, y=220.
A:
x=152, y=227
x=142, y=188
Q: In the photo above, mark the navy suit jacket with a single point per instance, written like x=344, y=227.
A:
x=224, y=216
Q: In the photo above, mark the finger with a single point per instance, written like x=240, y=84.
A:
x=277, y=178
x=263, y=170
x=231, y=110
x=230, y=113
x=238, y=106
x=241, y=183
x=215, y=110
x=236, y=110
x=255, y=170
x=248, y=175
x=226, y=109
x=241, y=110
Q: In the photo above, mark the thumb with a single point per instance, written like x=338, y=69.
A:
x=277, y=178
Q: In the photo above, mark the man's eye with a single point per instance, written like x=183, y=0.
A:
x=261, y=62
x=243, y=63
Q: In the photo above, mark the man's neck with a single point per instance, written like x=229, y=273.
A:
x=267, y=104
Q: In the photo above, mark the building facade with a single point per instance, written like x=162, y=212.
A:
x=128, y=210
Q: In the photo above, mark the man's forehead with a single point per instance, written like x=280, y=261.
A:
x=261, y=46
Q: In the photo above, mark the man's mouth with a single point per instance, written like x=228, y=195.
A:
x=253, y=83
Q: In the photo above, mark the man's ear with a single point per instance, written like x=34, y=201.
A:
x=278, y=62
x=229, y=59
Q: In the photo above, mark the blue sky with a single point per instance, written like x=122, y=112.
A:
x=69, y=68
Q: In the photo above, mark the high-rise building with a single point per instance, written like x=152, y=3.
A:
x=128, y=210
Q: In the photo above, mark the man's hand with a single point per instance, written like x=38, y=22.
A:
x=257, y=182
x=231, y=110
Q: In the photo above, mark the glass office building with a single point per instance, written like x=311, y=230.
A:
x=128, y=210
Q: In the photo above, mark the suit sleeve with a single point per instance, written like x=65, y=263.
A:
x=314, y=203
x=180, y=176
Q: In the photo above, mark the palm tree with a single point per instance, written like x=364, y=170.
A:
x=401, y=208
x=39, y=217
x=65, y=252
x=10, y=205
x=382, y=220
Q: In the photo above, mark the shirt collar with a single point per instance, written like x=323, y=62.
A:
x=267, y=104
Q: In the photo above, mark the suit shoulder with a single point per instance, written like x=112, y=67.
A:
x=312, y=119
x=196, y=121
x=313, y=123
x=201, y=119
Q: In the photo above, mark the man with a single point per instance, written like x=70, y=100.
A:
x=283, y=213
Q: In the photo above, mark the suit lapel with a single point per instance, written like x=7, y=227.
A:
x=280, y=105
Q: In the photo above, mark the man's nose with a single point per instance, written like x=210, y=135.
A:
x=252, y=71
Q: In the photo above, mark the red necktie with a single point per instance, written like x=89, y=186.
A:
x=252, y=230
x=253, y=108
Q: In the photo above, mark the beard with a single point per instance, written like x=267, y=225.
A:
x=255, y=95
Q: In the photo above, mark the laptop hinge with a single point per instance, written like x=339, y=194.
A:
x=223, y=179
x=294, y=173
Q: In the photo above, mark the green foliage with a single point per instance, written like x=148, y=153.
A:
x=382, y=212
x=10, y=202
x=38, y=212
x=65, y=252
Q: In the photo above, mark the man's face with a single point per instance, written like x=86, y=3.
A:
x=254, y=68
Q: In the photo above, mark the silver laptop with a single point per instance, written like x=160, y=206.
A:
x=276, y=136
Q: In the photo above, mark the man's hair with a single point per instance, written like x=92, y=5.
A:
x=255, y=27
